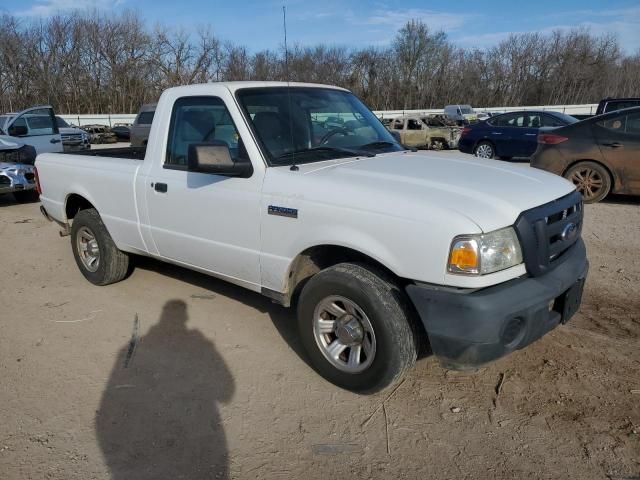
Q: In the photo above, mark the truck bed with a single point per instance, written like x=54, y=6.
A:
x=132, y=153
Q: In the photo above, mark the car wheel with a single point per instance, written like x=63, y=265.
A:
x=591, y=179
x=357, y=327
x=484, y=150
x=26, y=196
x=438, y=144
x=96, y=254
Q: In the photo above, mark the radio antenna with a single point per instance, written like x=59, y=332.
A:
x=294, y=167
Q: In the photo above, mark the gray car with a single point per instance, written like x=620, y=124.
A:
x=142, y=125
x=73, y=139
x=17, y=174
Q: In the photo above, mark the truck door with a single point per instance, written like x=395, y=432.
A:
x=37, y=127
x=199, y=219
x=415, y=134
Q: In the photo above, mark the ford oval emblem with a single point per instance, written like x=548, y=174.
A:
x=569, y=232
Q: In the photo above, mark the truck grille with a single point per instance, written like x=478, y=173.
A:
x=71, y=137
x=547, y=232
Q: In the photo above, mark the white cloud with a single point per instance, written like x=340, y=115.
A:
x=623, y=23
x=46, y=8
x=396, y=19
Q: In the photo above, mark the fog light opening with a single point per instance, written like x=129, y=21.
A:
x=513, y=332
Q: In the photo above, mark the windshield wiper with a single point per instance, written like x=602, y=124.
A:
x=379, y=144
x=349, y=151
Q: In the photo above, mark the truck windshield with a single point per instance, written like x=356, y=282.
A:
x=307, y=124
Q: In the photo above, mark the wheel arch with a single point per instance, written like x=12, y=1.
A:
x=318, y=257
x=74, y=203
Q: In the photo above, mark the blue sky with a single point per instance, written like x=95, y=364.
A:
x=258, y=24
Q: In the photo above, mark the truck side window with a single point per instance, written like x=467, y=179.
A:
x=200, y=120
x=413, y=124
x=37, y=121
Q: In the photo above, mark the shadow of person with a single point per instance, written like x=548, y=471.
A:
x=158, y=417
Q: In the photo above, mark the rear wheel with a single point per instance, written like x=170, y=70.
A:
x=591, y=179
x=357, y=328
x=485, y=150
x=96, y=254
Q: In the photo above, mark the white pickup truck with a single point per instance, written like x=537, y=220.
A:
x=383, y=250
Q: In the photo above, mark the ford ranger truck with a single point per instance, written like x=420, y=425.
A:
x=382, y=251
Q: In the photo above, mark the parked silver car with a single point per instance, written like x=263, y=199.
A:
x=17, y=174
x=73, y=139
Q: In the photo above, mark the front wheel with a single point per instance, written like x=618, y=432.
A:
x=357, y=329
x=591, y=179
x=485, y=150
x=95, y=252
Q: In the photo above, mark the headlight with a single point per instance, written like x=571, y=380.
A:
x=484, y=253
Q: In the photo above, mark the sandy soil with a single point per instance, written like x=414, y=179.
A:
x=218, y=374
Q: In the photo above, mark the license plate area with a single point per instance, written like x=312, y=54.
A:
x=568, y=303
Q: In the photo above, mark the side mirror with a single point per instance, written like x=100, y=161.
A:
x=215, y=158
x=18, y=131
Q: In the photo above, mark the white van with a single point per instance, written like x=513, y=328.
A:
x=461, y=114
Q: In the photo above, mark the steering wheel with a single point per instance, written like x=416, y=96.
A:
x=335, y=131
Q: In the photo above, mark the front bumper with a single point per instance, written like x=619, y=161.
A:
x=468, y=328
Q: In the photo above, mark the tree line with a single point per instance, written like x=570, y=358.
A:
x=91, y=63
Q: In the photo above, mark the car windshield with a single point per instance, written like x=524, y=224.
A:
x=61, y=123
x=466, y=110
x=302, y=124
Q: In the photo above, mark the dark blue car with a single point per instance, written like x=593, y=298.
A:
x=509, y=135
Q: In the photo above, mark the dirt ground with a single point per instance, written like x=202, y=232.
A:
x=217, y=373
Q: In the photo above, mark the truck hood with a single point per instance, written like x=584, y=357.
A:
x=490, y=193
x=70, y=131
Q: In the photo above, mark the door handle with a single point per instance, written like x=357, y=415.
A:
x=496, y=133
x=531, y=134
x=160, y=187
x=55, y=140
x=613, y=145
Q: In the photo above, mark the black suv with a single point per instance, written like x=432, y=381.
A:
x=611, y=104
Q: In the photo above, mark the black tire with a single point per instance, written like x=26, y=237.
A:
x=485, y=146
x=113, y=264
x=390, y=316
x=591, y=179
x=26, y=196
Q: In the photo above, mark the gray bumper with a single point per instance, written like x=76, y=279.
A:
x=468, y=328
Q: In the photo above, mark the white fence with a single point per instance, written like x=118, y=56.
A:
x=586, y=109
x=112, y=119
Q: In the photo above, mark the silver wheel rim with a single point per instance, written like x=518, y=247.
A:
x=484, y=151
x=344, y=334
x=88, y=249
